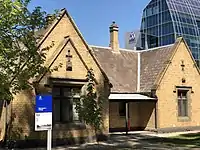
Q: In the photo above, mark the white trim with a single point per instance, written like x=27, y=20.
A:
x=130, y=50
x=120, y=49
x=138, y=73
x=94, y=46
x=129, y=97
x=156, y=48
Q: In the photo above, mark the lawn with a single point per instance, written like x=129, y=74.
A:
x=191, y=140
x=191, y=136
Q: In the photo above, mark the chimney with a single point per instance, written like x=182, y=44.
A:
x=114, y=42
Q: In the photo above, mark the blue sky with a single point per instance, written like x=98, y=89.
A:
x=93, y=17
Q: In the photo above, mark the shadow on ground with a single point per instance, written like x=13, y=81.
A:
x=141, y=141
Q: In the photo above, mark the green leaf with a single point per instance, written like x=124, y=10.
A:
x=20, y=59
x=89, y=107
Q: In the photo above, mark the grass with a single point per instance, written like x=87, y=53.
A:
x=192, y=136
x=184, y=140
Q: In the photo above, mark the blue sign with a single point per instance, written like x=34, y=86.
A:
x=43, y=103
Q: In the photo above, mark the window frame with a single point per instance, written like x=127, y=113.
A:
x=62, y=97
x=182, y=101
x=189, y=92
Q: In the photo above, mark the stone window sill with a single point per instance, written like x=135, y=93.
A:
x=184, y=119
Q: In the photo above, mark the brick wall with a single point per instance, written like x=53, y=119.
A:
x=167, y=99
x=142, y=115
x=23, y=103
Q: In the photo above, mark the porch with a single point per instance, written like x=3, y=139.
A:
x=132, y=112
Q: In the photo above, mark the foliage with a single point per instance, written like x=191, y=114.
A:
x=89, y=106
x=20, y=59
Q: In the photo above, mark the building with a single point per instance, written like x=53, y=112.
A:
x=155, y=89
x=71, y=50
x=155, y=84
x=163, y=21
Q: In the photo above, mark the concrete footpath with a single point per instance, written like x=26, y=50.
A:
x=135, y=140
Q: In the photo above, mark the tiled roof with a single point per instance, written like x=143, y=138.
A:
x=121, y=68
x=153, y=63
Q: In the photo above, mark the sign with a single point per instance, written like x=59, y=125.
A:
x=132, y=37
x=43, y=113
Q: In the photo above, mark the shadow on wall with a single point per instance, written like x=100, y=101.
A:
x=147, y=115
x=142, y=116
x=22, y=128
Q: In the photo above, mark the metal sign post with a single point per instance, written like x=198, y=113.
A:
x=43, y=116
x=49, y=140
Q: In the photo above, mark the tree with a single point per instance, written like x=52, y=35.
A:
x=89, y=107
x=20, y=57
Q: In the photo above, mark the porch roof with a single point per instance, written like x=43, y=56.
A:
x=134, y=96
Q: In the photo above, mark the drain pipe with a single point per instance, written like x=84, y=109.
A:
x=138, y=72
x=128, y=125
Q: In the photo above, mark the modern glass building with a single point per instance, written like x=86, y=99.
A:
x=165, y=20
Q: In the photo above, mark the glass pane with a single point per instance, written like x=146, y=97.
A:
x=179, y=108
x=66, y=110
x=185, y=108
x=56, y=108
x=56, y=91
x=75, y=113
x=67, y=92
x=182, y=94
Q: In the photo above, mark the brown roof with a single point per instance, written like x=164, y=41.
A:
x=153, y=63
x=121, y=68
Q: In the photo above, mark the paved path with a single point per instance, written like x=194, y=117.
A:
x=135, y=140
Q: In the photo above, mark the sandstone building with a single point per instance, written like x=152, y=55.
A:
x=155, y=89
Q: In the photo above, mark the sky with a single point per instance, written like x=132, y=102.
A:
x=93, y=17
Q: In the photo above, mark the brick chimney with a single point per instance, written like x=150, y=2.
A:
x=114, y=41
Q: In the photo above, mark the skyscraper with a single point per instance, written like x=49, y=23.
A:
x=165, y=20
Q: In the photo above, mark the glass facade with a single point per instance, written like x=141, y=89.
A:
x=165, y=20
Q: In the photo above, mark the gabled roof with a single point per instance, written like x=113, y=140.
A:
x=45, y=32
x=153, y=63
x=122, y=68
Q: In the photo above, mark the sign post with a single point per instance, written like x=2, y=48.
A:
x=49, y=140
x=43, y=116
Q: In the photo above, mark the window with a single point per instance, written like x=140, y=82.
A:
x=122, y=108
x=182, y=103
x=63, y=107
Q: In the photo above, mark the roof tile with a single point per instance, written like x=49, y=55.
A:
x=121, y=68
